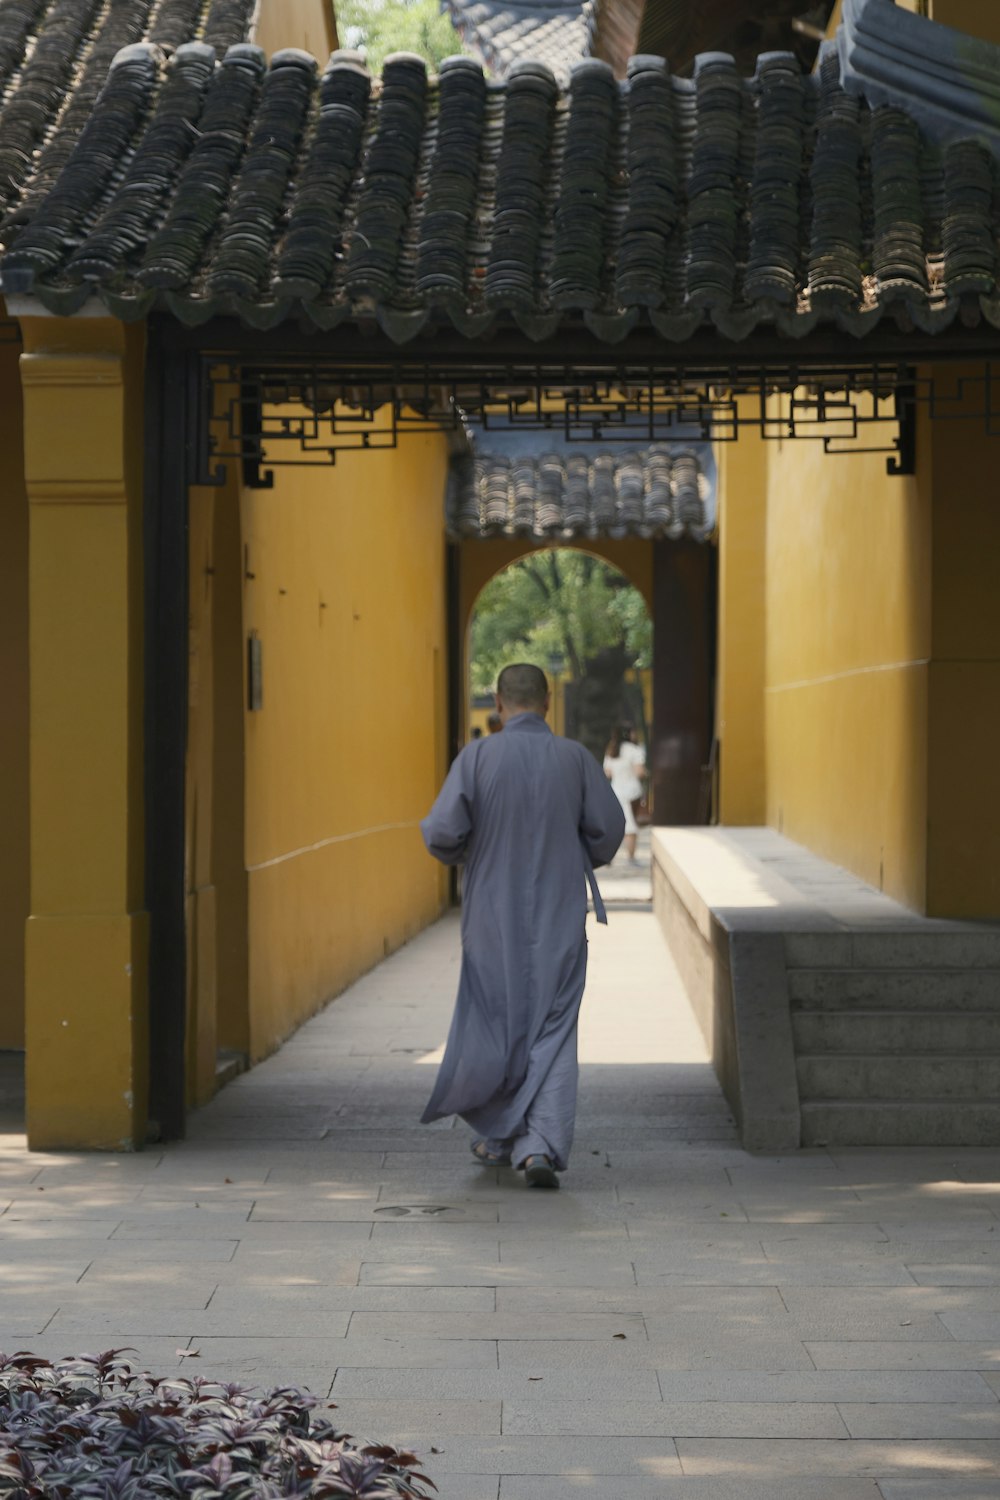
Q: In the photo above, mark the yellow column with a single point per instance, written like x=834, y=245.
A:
x=742, y=491
x=86, y=996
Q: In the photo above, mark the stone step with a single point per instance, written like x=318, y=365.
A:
x=948, y=947
x=912, y=1076
x=870, y=1032
x=892, y=1122
x=870, y=989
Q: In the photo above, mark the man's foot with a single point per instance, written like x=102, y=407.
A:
x=540, y=1173
x=489, y=1158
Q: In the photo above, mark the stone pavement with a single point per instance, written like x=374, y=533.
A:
x=681, y=1321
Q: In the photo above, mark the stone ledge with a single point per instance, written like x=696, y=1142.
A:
x=740, y=907
x=724, y=916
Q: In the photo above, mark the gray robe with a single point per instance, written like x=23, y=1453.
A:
x=524, y=811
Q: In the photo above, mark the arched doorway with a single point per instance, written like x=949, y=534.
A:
x=582, y=620
x=649, y=513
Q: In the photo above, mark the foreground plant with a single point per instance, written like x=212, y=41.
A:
x=94, y=1428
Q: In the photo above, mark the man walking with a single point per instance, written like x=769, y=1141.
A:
x=529, y=815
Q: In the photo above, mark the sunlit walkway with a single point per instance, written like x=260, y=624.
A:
x=680, y=1321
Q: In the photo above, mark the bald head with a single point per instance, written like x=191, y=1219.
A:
x=522, y=688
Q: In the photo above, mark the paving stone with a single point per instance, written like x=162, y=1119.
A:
x=650, y=1457
x=725, y=1353
x=859, y=1354
x=929, y=1487
x=862, y=1324
x=717, y=1487
x=676, y=1419
x=739, y=1302
x=197, y=1226
x=157, y=1250
x=768, y=1271
x=399, y=1421
x=304, y=1297
x=261, y=1319
x=421, y=1353
x=538, y=1385
x=597, y=1327
x=954, y=1274
x=814, y=1457
x=455, y=1273
x=271, y=1274
x=882, y=1383
x=887, y=1419
x=972, y=1325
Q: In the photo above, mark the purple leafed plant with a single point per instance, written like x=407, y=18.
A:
x=94, y=1428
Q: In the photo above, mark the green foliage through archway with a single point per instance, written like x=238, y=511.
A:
x=567, y=607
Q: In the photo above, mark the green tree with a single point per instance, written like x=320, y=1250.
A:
x=567, y=604
x=379, y=27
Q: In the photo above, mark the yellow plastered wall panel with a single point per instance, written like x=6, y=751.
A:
x=847, y=646
x=740, y=719
x=229, y=874
x=14, y=859
x=199, y=888
x=347, y=599
x=308, y=24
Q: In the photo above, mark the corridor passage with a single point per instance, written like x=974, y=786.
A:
x=680, y=1322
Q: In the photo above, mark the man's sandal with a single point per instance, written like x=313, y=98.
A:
x=540, y=1173
x=488, y=1158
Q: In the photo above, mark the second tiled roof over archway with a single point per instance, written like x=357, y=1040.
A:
x=654, y=492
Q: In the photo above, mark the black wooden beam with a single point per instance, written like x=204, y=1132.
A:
x=764, y=349
x=683, y=675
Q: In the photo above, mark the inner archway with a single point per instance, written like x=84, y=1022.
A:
x=582, y=620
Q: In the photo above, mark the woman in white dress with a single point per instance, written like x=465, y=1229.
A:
x=625, y=768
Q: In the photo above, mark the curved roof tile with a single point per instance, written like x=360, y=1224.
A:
x=54, y=61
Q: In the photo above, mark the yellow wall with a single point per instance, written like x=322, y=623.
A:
x=14, y=718
x=347, y=596
x=308, y=24
x=742, y=489
x=229, y=876
x=824, y=646
x=848, y=641
x=199, y=851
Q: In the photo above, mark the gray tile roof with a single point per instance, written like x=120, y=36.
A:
x=658, y=491
x=501, y=32
x=276, y=192
x=54, y=59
